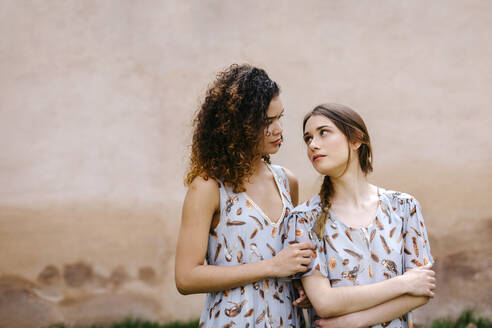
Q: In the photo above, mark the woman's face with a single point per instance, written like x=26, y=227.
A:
x=272, y=134
x=327, y=146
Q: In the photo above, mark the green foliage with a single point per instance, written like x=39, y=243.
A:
x=463, y=320
x=143, y=324
x=135, y=323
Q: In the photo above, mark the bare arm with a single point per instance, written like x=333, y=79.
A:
x=330, y=302
x=381, y=313
x=193, y=276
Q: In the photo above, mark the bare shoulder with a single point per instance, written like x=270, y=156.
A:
x=202, y=190
x=201, y=184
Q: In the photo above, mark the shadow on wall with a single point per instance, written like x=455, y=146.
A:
x=127, y=271
x=76, y=295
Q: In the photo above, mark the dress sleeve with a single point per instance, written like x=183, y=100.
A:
x=416, y=242
x=299, y=230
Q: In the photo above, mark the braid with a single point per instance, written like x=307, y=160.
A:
x=325, y=195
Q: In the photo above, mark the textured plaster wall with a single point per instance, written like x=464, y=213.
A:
x=96, y=102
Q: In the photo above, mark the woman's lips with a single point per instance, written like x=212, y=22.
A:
x=317, y=156
x=277, y=142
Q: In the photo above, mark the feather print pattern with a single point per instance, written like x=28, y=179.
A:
x=347, y=256
x=243, y=234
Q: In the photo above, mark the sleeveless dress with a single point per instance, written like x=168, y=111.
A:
x=394, y=242
x=245, y=234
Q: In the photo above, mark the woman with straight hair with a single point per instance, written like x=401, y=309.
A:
x=370, y=242
x=230, y=241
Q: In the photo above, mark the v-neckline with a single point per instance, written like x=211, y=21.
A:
x=258, y=208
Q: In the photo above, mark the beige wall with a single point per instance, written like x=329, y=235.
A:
x=96, y=101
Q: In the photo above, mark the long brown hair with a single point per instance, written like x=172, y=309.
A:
x=353, y=127
x=227, y=126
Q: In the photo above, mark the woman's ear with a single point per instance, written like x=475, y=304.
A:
x=354, y=145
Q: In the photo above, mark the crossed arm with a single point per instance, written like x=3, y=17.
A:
x=330, y=302
x=384, y=312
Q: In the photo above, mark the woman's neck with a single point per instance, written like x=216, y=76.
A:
x=352, y=188
x=259, y=168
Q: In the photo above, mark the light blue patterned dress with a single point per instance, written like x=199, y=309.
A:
x=394, y=242
x=245, y=234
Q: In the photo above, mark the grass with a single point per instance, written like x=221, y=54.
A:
x=142, y=324
x=135, y=323
x=462, y=321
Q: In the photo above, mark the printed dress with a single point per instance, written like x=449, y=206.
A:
x=245, y=234
x=394, y=242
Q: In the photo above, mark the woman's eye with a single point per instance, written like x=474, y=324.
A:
x=307, y=139
x=323, y=132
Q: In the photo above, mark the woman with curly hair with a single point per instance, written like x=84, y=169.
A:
x=234, y=210
x=372, y=262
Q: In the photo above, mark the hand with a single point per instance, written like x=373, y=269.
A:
x=292, y=259
x=303, y=300
x=420, y=281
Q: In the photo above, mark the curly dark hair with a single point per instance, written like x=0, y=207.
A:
x=227, y=126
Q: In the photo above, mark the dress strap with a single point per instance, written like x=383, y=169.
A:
x=280, y=177
x=224, y=194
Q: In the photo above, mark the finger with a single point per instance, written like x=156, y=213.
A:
x=427, y=266
x=428, y=273
x=413, y=269
x=304, y=245
x=305, y=261
x=296, y=302
x=306, y=253
x=301, y=245
x=299, y=301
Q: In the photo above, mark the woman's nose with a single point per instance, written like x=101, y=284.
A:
x=313, y=145
x=276, y=127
